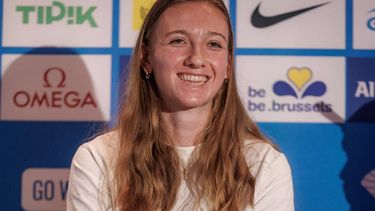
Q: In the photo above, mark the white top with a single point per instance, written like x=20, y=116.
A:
x=92, y=166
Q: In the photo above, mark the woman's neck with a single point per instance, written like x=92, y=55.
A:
x=184, y=126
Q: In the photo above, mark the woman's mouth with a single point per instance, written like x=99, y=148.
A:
x=193, y=80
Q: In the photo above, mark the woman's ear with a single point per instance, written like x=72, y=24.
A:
x=145, y=61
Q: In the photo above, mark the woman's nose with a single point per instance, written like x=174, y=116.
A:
x=195, y=58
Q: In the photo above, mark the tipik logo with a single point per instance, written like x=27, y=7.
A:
x=300, y=78
x=259, y=20
x=58, y=12
x=371, y=21
x=54, y=94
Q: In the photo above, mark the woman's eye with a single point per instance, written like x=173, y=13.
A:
x=214, y=45
x=177, y=42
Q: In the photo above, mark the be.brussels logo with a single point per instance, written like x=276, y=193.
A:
x=291, y=24
x=361, y=90
x=54, y=23
x=364, y=24
x=65, y=88
x=299, y=78
x=292, y=89
x=132, y=15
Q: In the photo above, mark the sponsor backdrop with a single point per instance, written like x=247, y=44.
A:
x=305, y=70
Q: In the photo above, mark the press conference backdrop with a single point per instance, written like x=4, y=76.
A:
x=305, y=70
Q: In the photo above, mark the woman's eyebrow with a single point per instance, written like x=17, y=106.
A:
x=217, y=34
x=184, y=32
x=177, y=32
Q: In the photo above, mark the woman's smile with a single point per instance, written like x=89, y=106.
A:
x=193, y=80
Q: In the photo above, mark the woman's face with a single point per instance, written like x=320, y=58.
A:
x=188, y=55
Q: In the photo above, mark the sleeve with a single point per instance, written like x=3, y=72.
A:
x=274, y=186
x=84, y=181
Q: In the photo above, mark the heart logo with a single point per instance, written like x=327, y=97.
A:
x=299, y=76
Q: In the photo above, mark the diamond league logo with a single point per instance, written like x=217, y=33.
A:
x=364, y=24
x=371, y=20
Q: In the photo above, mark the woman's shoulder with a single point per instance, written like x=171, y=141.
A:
x=104, y=141
x=263, y=156
x=259, y=150
x=270, y=167
x=99, y=150
x=91, y=172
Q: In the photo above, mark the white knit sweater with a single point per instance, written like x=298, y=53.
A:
x=92, y=167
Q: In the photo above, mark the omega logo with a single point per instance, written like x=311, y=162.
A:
x=55, y=95
x=60, y=71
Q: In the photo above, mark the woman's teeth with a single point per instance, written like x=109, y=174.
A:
x=193, y=79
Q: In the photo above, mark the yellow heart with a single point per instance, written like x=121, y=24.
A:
x=299, y=76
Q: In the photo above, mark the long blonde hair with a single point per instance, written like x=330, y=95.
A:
x=148, y=173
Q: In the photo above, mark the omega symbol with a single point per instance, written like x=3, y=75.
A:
x=58, y=70
x=54, y=96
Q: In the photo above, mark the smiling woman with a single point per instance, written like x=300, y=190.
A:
x=188, y=55
x=183, y=140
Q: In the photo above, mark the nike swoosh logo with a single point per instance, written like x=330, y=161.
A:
x=260, y=21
